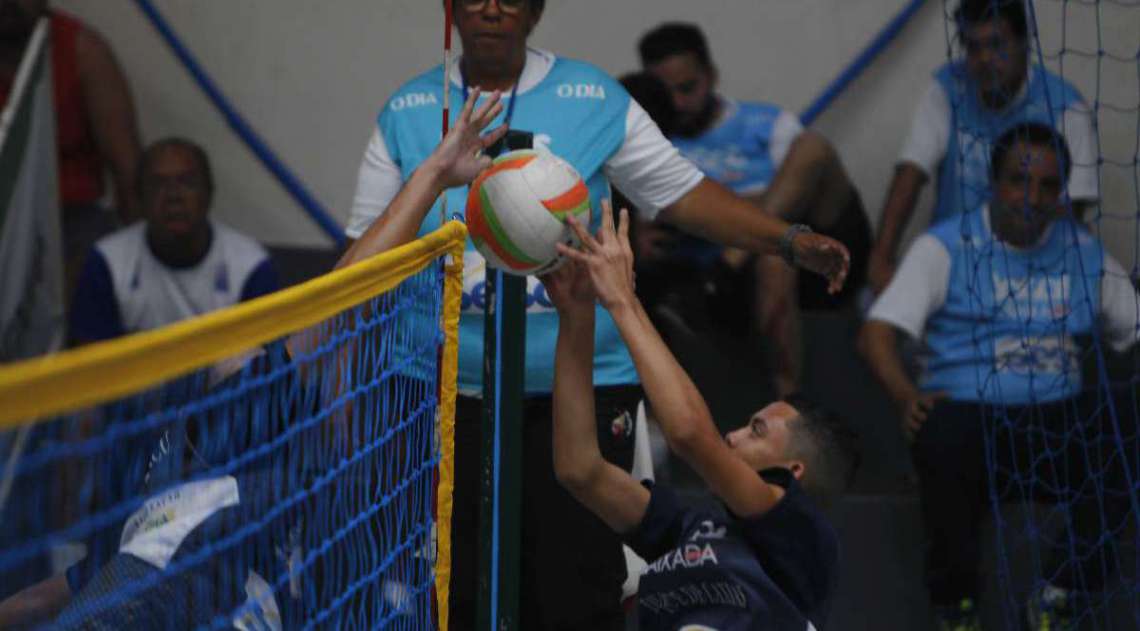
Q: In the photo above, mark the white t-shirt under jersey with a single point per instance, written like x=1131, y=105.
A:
x=929, y=139
x=647, y=167
x=919, y=287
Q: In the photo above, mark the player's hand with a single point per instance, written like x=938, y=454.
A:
x=916, y=410
x=880, y=270
x=459, y=157
x=824, y=256
x=608, y=259
x=569, y=288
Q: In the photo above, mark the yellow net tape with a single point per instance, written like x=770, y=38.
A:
x=449, y=375
x=38, y=389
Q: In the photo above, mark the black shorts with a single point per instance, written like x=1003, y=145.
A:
x=572, y=563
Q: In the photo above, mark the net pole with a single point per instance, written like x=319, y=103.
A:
x=501, y=472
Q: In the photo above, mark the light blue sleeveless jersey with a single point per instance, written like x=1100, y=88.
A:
x=964, y=177
x=1005, y=334
x=735, y=153
x=577, y=111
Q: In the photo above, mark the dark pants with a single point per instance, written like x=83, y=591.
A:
x=709, y=294
x=970, y=458
x=572, y=563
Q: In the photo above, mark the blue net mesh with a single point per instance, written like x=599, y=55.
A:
x=289, y=487
x=1058, y=408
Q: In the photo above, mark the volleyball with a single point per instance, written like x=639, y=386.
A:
x=517, y=209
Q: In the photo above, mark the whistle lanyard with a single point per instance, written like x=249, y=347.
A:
x=510, y=106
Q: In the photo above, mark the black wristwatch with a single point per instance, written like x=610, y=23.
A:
x=788, y=242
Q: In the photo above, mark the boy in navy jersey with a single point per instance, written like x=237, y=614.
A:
x=769, y=560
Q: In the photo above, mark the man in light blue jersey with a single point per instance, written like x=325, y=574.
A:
x=581, y=114
x=966, y=106
x=1001, y=298
x=762, y=152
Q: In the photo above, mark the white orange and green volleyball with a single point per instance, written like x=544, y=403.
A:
x=516, y=210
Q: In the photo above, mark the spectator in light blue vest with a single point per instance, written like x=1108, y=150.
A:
x=1001, y=299
x=966, y=106
x=763, y=153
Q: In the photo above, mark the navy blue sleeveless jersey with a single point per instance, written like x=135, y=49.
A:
x=710, y=568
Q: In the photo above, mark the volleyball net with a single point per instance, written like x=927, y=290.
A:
x=1062, y=466
x=285, y=463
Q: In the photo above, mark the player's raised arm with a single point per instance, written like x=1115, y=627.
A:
x=456, y=161
x=679, y=407
x=607, y=490
x=713, y=212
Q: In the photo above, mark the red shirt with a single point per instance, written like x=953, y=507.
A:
x=81, y=169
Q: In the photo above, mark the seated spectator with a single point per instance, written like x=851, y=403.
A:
x=763, y=153
x=182, y=474
x=999, y=298
x=966, y=106
x=96, y=132
x=175, y=264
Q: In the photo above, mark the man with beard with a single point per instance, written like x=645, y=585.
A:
x=763, y=153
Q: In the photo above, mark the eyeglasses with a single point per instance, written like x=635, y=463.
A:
x=506, y=6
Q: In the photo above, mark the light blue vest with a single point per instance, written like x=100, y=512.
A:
x=735, y=153
x=577, y=111
x=964, y=176
x=1006, y=332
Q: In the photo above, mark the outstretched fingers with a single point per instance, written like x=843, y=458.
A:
x=487, y=112
x=494, y=136
x=607, y=229
x=587, y=240
x=573, y=254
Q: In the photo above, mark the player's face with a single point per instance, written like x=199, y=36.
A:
x=763, y=441
x=175, y=194
x=494, y=31
x=996, y=59
x=690, y=84
x=1027, y=194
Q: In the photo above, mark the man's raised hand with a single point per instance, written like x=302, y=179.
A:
x=824, y=256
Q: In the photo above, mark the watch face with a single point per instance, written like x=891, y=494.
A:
x=513, y=141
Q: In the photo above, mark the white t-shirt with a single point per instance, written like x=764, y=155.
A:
x=647, y=167
x=929, y=139
x=918, y=289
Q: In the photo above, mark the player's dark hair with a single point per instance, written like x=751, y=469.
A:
x=673, y=38
x=196, y=150
x=973, y=12
x=653, y=97
x=828, y=446
x=1034, y=135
